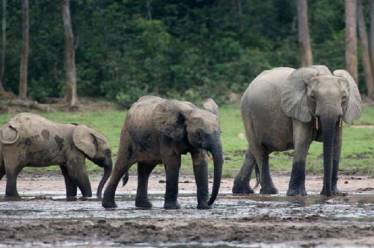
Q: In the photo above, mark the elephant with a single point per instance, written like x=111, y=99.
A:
x=285, y=108
x=158, y=130
x=29, y=140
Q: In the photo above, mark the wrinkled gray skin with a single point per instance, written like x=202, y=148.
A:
x=284, y=109
x=158, y=131
x=31, y=140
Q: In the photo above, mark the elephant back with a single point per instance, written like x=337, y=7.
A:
x=26, y=126
x=265, y=86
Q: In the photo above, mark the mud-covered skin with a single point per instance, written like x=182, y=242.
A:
x=29, y=140
x=284, y=109
x=159, y=131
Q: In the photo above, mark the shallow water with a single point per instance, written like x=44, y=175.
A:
x=353, y=206
x=48, y=210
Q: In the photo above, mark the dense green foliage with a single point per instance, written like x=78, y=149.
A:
x=185, y=48
x=357, y=152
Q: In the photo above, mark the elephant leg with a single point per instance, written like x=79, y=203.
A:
x=266, y=182
x=200, y=168
x=336, y=160
x=172, y=164
x=241, y=182
x=70, y=185
x=302, y=139
x=144, y=170
x=78, y=173
x=11, y=183
x=124, y=161
x=2, y=171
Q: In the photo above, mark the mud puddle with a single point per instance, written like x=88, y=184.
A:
x=279, y=207
x=44, y=219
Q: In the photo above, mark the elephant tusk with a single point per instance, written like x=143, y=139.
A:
x=340, y=122
x=317, y=127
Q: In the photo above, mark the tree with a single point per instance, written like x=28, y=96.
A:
x=372, y=33
x=365, y=50
x=237, y=4
x=351, y=38
x=70, y=70
x=149, y=9
x=3, y=45
x=25, y=50
x=303, y=31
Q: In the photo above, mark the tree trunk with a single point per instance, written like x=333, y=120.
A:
x=351, y=38
x=149, y=9
x=25, y=50
x=303, y=30
x=70, y=69
x=372, y=34
x=237, y=4
x=3, y=46
x=365, y=50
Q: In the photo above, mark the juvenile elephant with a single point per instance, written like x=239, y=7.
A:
x=284, y=109
x=158, y=131
x=31, y=140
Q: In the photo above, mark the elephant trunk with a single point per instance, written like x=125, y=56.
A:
x=107, y=171
x=329, y=126
x=218, y=163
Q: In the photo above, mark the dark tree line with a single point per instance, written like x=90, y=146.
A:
x=120, y=50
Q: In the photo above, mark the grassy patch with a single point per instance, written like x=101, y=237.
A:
x=357, y=154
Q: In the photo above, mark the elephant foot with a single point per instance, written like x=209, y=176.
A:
x=204, y=206
x=71, y=198
x=327, y=193
x=241, y=189
x=143, y=204
x=293, y=191
x=12, y=197
x=107, y=204
x=269, y=191
x=172, y=205
x=86, y=195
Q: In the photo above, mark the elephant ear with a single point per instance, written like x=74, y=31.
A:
x=169, y=118
x=210, y=105
x=294, y=100
x=87, y=140
x=9, y=134
x=352, y=110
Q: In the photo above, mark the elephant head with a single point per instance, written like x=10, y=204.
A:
x=314, y=93
x=96, y=148
x=185, y=123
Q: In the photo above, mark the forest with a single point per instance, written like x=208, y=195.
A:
x=179, y=49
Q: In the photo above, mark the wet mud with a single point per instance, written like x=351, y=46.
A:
x=44, y=218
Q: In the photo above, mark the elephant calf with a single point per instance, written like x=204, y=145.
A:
x=158, y=131
x=284, y=108
x=31, y=140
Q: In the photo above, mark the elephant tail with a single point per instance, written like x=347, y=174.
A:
x=2, y=165
x=125, y=178
x=258, y=178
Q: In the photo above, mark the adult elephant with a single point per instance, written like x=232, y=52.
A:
x=31, y=140
x=284, y=109
x=158, y=130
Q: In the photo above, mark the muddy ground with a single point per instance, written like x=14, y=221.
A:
x=43, y=218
